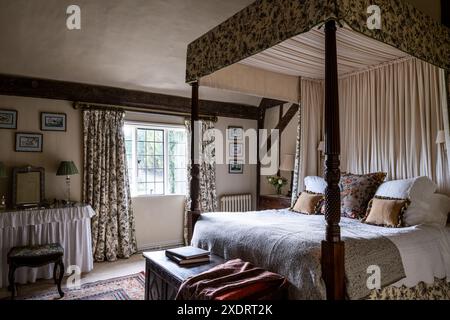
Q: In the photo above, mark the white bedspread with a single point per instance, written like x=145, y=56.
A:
x=425, y=252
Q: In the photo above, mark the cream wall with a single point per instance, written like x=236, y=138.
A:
x=288, y=143
x=236, y=183
x=57, y=146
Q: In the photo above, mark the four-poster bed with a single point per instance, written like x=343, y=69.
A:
x=257, y=34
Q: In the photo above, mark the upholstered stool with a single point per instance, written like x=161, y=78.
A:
x=33, y=257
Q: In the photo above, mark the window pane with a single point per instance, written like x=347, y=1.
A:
x=141, y=177
x=141, y=188
x=128, y=146
x=159, y=175
x=150, y=188
x=150, y=135
x=149, y=148
x=141, y=134
x=179, y=162
x=150, y=175
x=141, y=161
x=159, y=149
x=159, y=188
x=159, y=135
x=180, y=187
x=149, y=162
x=180, y=175
x=159, y=162
x=141, y=148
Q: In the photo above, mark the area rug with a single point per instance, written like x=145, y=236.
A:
x=130, y=287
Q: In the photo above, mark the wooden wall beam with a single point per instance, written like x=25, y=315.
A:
x=73, y=91
x=445, y=12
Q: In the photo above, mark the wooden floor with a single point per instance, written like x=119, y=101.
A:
x=102, y=271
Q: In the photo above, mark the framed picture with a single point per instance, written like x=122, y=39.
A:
x=8, y=119
x=236, y=167
x=53, y=121
x=235, y=133
x=28, y=142
x=236, y=150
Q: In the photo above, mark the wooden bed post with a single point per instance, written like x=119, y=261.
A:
x=332, y=246
x=194, y=191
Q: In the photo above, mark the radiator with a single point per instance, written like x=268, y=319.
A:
x=236, y=203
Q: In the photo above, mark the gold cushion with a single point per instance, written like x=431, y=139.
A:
x=387, y=212
x=308, y=203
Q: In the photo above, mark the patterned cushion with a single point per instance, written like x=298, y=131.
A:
x=308, y=203
x=356, y=192
x=36, y=251
x=386, y=212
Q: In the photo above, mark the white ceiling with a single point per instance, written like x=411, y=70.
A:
x=134, y=44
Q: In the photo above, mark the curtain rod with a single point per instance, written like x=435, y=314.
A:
x=86, y=105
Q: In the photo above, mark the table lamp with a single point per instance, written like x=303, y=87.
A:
x=287, y=164
x=2, y=175
x=67, y=168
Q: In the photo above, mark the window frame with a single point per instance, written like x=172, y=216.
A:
x=154, y=126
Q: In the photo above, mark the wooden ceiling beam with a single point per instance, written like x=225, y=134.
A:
x=81, y=92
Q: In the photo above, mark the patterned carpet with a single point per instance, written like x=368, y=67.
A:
x=129, y=287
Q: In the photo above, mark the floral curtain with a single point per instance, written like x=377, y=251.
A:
x=105, y=185
x=207, y=162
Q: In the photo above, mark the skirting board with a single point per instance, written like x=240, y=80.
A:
x=160, y=245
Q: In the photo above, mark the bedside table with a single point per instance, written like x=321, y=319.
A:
x=274, y=201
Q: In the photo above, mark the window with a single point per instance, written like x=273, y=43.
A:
x=156, y=159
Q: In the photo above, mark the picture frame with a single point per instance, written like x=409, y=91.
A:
x=28, y=142
x=235, y=133
x=236, y=150
x=51, y=121
x=236, y=167
x=8, y=119
x=28, y=187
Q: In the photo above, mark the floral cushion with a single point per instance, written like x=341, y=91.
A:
x=36, y=251
x=357, y=191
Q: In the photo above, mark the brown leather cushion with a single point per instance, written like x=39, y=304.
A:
x=308, y=203
x=387, y=212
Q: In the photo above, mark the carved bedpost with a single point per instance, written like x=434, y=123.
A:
x=332, y=246
x=194, y=212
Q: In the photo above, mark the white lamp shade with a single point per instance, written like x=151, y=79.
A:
x=440, y=137
x=287, y=162
x=321, y=146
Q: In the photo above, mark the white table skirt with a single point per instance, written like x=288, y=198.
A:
x=71, y=227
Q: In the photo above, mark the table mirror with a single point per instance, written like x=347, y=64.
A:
x=28, y=187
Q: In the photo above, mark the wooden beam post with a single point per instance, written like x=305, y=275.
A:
x=332, y=246
x=194, y=191
x=260, y=125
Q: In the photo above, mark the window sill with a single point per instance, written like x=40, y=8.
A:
x=157, y=196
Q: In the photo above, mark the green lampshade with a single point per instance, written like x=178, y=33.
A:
x=67, y=168
x=2, y=170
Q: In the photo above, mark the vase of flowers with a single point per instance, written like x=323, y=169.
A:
x=277, y=182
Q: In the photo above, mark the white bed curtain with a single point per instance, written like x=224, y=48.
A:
x=390, y=116
x=310, y=132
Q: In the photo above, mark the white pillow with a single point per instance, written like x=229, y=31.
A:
x=433, y=209
x=315, y=184
x=413, y=189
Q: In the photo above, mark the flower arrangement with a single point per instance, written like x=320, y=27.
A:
x=277, y=182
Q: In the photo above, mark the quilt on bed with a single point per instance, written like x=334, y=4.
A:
x=289, y=244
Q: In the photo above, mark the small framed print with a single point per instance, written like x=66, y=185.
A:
x=236, y=167
x=8, y=119
x=53, y=121
x=28, y=142
x=235, y=133
x=236, y=150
